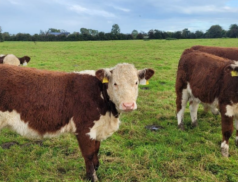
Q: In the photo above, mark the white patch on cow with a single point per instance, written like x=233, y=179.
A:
x=193, y=107
x=86, y=72
x=184, y=101
x=95, y=178
x=25, y=63
x=143, y=81
x=232, y=110
x=11, y=59
x=1, y=55
x=213, y=107
x=104, y=127
x=69, y=128
x=13, y=121
x=225, y=149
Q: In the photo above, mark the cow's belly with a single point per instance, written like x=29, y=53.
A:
x=104, y=127
x=13, y=121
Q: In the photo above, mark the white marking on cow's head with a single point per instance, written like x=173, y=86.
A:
x=123, y=82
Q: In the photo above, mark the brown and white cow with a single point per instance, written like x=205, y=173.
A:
x=203, y=77
x=225, y=52
x=13, y=60
x=38, y=103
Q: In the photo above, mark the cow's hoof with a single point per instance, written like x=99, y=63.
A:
x=181, y=126
x=92, y=177
x=225, y=152
x=194, y=124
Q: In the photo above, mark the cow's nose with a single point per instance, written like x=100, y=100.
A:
x=128, y=105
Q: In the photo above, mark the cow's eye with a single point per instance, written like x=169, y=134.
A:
x=115, y=84
x=136, y=83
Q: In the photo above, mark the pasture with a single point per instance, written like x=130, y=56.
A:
x=134, y=153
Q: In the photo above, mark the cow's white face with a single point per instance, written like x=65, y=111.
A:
x=123, y=82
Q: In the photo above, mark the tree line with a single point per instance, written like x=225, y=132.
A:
x=215, y=31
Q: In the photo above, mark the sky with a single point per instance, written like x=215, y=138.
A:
x=31, y=16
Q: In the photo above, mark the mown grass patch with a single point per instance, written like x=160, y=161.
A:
x=134, y=153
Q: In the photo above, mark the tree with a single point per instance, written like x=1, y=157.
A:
x=186, y=33
x=199, y=34
x=84, y=31
x=233, y=31
x=115, y=29
x=1, y=36
x=151, y=34
x=134, y=33
x=215, y=31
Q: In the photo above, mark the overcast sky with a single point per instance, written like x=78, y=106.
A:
x=31, y=16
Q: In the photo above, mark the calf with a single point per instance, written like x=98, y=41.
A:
x=210, y=79
x=13, y=60
x=86, y=104
x=225, y=52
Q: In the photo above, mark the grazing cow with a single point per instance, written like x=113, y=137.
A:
x=86, y=104
x=203, y=77
x=225, y=52
x=13, y=60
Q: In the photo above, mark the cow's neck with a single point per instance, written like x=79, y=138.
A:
x=110, y=105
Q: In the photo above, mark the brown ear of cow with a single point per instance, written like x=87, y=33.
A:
x=100, y=74
x=146, y=73
x=27, y=58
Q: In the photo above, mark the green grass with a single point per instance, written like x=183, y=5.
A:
x=133, y=153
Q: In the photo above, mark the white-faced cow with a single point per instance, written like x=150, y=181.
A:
x=203, y=77
x=13, y=60
x=38, y=103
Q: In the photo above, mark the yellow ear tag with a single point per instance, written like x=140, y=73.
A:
x=234, y=73
x=147, y=82
x=105, y=80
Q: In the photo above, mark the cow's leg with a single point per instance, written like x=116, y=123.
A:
x=87, y=147
x=236, y=126
x=181, y=101
x=95, y=157
x=227, y=129
x=193, y=107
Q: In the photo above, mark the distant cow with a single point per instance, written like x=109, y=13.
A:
x=210, y=79
x=13, y=60
x=86, y=104
x=225, y=52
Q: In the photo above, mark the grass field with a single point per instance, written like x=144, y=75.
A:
x=132, y=154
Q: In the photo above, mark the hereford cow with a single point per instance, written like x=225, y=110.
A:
x=13, y=60
x=37, y=103
x=203, y=77
x=225, y=52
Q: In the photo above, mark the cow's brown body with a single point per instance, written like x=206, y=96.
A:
x=38, y=103
x=203, y=77
x=225, y=52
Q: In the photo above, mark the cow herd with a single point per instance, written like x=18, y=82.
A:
x=89, y=103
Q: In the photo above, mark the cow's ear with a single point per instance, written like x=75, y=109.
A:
x=103, y=75
x=233, y=69
x=144, y=75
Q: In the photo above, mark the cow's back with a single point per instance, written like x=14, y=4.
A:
x=226, y=52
